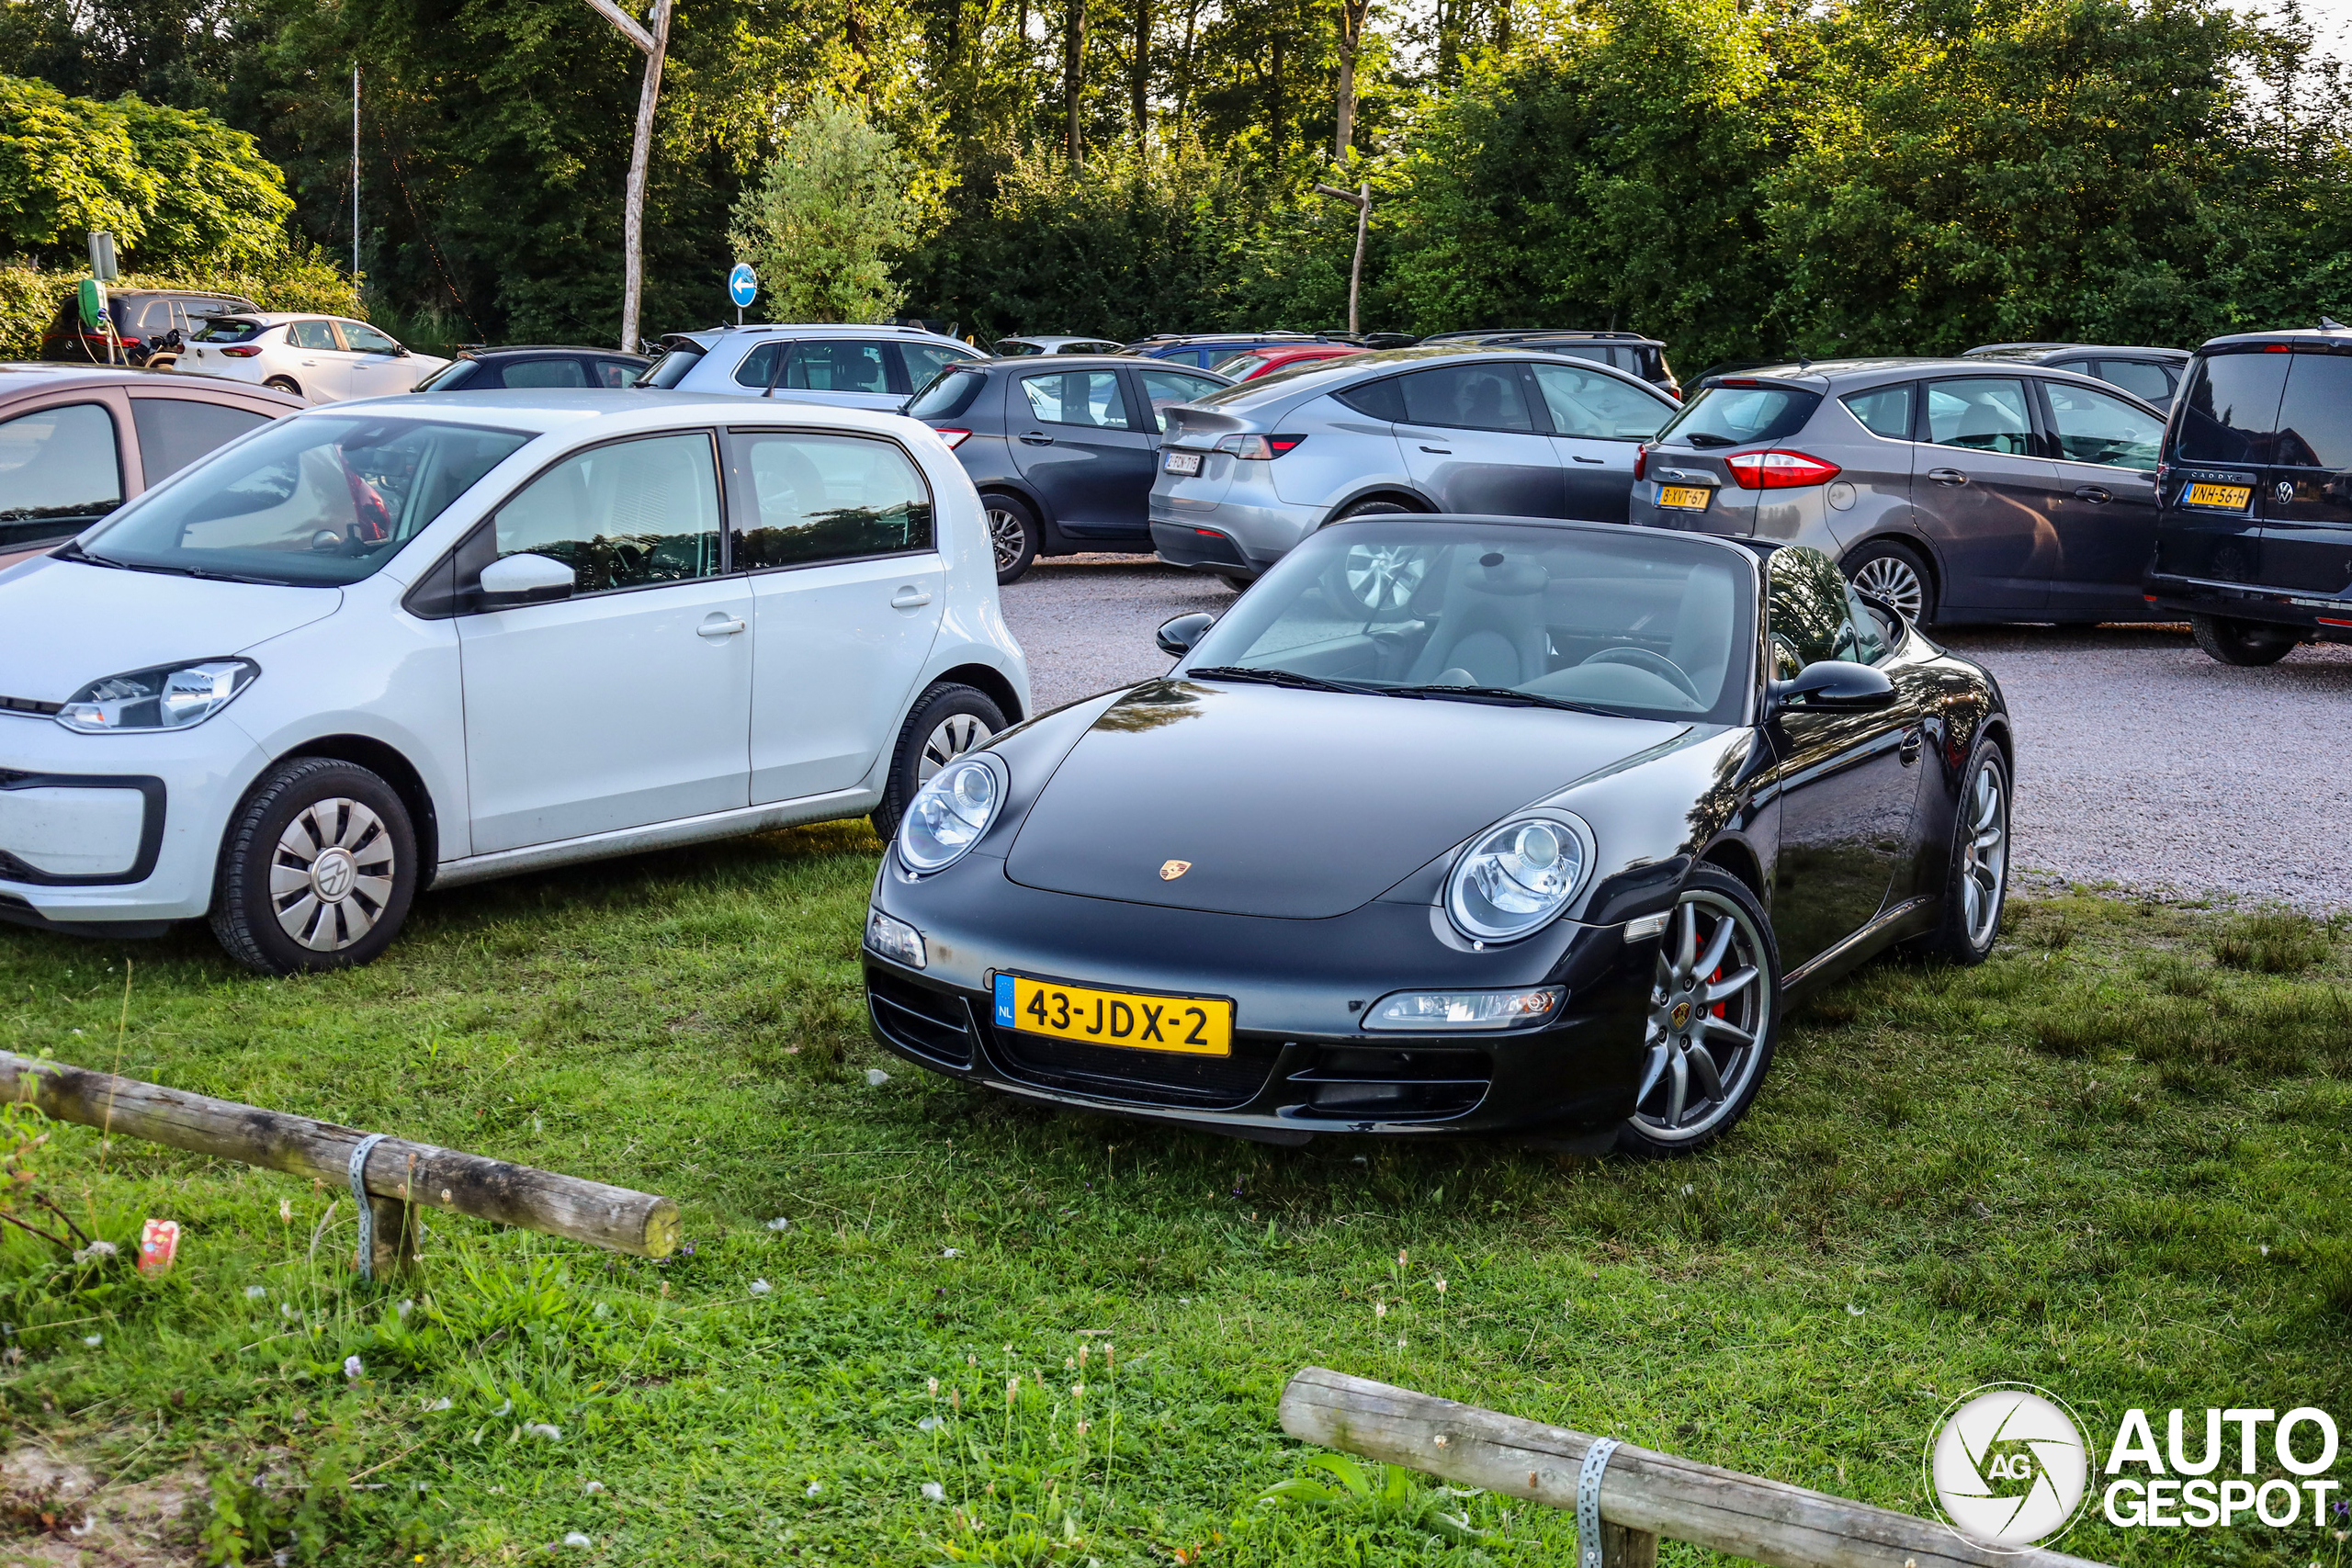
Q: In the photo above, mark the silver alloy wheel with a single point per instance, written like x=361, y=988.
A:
x=1891, y=578
x=955, y=734
x=1709, y=1012
x=1983, y=857
x=1382, y=577
x=332, y=874
x=1007, y=532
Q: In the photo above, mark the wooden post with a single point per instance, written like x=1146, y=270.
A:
x=655, y=47
x=402, y=1174
x=1362, y=198
x=1643, y=1495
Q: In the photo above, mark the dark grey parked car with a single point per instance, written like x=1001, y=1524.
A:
x=551, y=365
x=1956, y=490
x=2150, y=375
x=1063, y=450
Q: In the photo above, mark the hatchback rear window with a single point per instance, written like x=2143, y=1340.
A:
x=948, y=395
x=2232, y=409
x=2315, y=416
x=1734, y=416
x=671, y=369
x=227, y=329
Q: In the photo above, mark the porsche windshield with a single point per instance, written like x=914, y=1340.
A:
x=1634, y=622
x=319, y=502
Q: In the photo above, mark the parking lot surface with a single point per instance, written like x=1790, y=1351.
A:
x=2142, y=762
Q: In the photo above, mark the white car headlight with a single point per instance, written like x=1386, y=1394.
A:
x=170, y=696
x=1435, y=1012
x=1516, y=877
x=948, y=815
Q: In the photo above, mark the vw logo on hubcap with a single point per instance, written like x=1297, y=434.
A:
x=333, y=873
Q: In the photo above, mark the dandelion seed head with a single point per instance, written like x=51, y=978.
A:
x=257, y=1292
x=932, y=1492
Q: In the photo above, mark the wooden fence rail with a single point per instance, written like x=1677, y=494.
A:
x=1642, y=1495
x=394, y=1174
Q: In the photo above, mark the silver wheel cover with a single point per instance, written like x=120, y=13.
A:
x=1007, y=533
x=1709, y=1012
x=332, y=874
x=1891, y=579
x=1382, y=577
x=1984, y=856
x=953, y=736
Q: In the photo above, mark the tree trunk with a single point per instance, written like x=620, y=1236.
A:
x=1139, y=75
x=1352, y=18
x=1074, y=77
x=1184, y=72
x=1281, y=130
x=654, y=45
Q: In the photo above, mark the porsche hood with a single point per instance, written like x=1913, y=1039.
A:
x=1256, y=800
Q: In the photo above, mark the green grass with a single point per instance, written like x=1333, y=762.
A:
x=2112, y=1161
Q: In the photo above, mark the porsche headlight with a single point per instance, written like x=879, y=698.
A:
x=949, y=814
x=1517, y=876
x=170, y=696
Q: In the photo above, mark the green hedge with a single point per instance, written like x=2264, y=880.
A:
x=30, y=293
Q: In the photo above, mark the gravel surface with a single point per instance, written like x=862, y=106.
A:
x=2142, y=762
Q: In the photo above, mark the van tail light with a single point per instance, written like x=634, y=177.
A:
x=1779, y=471
x=954, y=438
x=1263, y=447
x=1641, y=463
x=243, y=351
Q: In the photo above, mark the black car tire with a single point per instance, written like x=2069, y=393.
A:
x=318, y=869
x=1977, y=883
x=1235, y=581
x=2248, y=644
x=946, y=721
x=1896, y=574
x=283, y=384
x=1376, y=509
x=1014, y=535
x=1692, y=1036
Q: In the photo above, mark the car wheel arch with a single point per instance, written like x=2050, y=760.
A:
x=1398, y=495
x=388, y=762
x=1029, y=498
x=1736, y=858
x=989, y=681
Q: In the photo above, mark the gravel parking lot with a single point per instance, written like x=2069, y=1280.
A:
x=2142, y=763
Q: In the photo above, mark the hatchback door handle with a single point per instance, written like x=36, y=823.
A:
x=720, y=626
x=1036, y=438
x=2094, y=495
x=1948, y=476
x=909, y=598
x=1582, y=459
x=1441, y=451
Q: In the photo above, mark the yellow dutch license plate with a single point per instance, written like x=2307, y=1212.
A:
x=1196, y=1026
x=2234, y=497
x=1687, y=498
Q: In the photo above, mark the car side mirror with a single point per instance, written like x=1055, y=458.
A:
x=1835, y=685
x=399, y=353
x=1178, y=636
x=524, y=579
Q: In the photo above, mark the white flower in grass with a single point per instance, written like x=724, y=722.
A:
x=932, y=1492
x=94, y=1341
x=592, y=1488
x=779, y=1224
x=760, y=1287
x=814, y=1487
x=257, y=1292
x=352, y=1368
x=95, y=1250
x=929, y=1423
x=876, y=1078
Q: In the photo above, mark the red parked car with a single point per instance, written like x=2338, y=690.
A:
x=1252, y=362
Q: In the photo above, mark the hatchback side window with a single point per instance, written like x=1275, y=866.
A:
x=312, y=335
x=2093, y=427
x=1883, y=410
x=2137, y=376
x=1584, y=403
x=617, y=373
x=176, y=432
x=1810, y=612
x=1161, y=388
x=1981, y=414
x=924, y=360
x=1077, y=397
x=809, y=499
x=835, y=365
x=58, y=471
x=545, y=373
x=758, y=368
x=1475, y=397
x=361, y=338
x=631, y=515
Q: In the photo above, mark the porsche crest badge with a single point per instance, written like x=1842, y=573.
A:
x=1169, y=870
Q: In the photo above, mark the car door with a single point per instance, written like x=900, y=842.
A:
x=2306, y=498
x=629, y=703
x=1155, y=389
x=1471, y=443
x=846, y=372
x=60, y=470
x=1848, y=783
x=2105, y=503
x=1082, y=449
x=378, y=367
x=848, y=587
x=321, y=365
x=1597, y=425
x=1983, y=494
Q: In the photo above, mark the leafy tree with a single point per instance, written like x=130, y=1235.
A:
x=833, y=205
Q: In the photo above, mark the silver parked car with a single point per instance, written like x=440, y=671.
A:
x=851, y=366
x=1955, y=489
x=1245, y=474
x=2150, y=375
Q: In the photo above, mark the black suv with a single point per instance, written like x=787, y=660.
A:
x=2150, y=375
x=2253, y=495
x=479, y=369
x=152, y=323
x=1629, y=351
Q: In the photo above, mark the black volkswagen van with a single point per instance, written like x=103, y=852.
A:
x=2253, y=495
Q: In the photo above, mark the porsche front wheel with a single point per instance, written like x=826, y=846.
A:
x=1714, y=1015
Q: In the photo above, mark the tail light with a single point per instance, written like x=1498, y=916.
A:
x=245, y=351
x=1641, y=462
x=1779, y=471
x=1264, y=447
x=954, y=438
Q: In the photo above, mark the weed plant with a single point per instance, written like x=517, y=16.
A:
x=913, y=1324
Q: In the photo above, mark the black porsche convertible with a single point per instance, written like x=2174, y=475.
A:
x=1452, y=825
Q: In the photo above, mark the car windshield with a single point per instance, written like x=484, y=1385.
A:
x=1627, y=622
x=310, y=502
x=1734, y=415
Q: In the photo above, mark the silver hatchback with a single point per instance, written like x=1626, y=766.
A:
x=1954, y=490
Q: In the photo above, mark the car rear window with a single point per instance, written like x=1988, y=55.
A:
x=227, y=329
x=2231, y=413
x=948, y=395
x=1384, y=399
x=672, y=367
x=1733, y=415
x=2315, y=415
x=456, y=374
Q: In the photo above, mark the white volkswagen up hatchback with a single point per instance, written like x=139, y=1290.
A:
x=381, y=647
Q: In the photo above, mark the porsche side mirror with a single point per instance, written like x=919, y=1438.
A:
x=1835, y=685
x=1178, y=636
x=524, y=579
